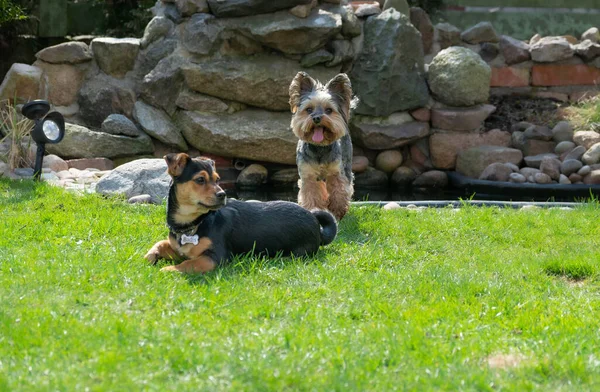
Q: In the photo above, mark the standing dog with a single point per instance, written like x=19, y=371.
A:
x=207, y=229
x=324, y=152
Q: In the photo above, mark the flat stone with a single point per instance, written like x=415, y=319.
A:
x=158, y=124
x=592, y=155
x=226, y=8
x=586, y=138
x=536, y=160
x=285, y=177
x=481, y=32
x=510, y=77
x=421, y=114
x=585, y=170
x=140, y=199
x=551, y=49
x=575, y=153
x=538, y=132
x=513, y=50
x=80, y=142
x=382, y=133
x=320, y=56
x=570, y=166
x=472, y=162
x=564, y=147
x=139, y=177
x=261, y=80
x=115, y=56
x=564, y=75
x=117, y=124
x=461, y=119
x=252, y=134
x=67, y=52
x=517, y=178
x=367, y=9
x=190, y=100
x=389, y=73
x=445, y=146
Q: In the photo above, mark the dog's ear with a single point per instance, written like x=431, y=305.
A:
x=176, y=163
x=300, y=86
x=340, y=89
x=209, y=161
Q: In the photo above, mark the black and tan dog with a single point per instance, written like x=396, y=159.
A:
x=206, y=229
x=324, y=152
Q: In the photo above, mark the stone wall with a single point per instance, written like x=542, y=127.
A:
x=212, y=77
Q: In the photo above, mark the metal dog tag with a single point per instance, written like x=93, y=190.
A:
x=189, y=239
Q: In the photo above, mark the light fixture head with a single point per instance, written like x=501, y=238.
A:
x=49, y=130
x=35, y=110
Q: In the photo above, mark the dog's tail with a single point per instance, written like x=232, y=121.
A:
x=328, y=225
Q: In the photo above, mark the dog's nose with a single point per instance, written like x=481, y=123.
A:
x=316, y=119
x=221, y=195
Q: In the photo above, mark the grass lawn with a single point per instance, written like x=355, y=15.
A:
x=439, y=299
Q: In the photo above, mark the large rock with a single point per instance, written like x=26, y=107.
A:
x=459, y=77
x=289, y=34
x=191, y=7
x=190, y=100
x=139, y=177
x=551, y=49
x=382, y=133
x=513, y=50
x=472, y=162
x=421, y=21
x=223, y=8
x=67, y=52
x=102, y=95
x=149, y=57
x=117, y=124
x=586, y=138
x=446, y=35
x=80, y=142
x=23, y=82
x=445, y=146
x=252, y=134
x=481, y=32
x=162, y=86
x=158, y=125
x=157, y=28
x=64, y=81
x=389, y=73
x=461, y=119
x=115, y=56
x=261, y=80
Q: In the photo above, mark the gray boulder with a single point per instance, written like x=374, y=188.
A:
x=117, y=124
x=481, y=32
x=389, y=73
x=513, y=50
x=158, y=125
x=158, y=27
x=224, y=8
x=320, y=56
x=139, y=177
x=382, y=133
x=592, y=155
x=261, y=80
x=190, y=100
x=162, y=86
x=551, y=49
x=587, y=50
x=80, y=142
x=459, y=77
x=102, y=95
x=115, y=56
x=67, y=52
x=472, y=162
x=252, y=134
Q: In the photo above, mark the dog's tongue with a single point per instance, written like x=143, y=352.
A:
x=317, y=135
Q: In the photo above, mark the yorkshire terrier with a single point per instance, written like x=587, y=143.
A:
x=324, y=152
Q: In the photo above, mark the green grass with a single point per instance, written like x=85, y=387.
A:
x=402, y=300
x=585, y=115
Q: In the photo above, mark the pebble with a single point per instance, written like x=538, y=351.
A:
x=391, y=206
x=140, y=199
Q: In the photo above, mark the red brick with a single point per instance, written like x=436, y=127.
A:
x=509, y=77
x=564, y=75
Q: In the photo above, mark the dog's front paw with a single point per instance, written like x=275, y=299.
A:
x=152, y=256
x=169, y=268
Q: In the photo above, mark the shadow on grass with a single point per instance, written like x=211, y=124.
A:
x=18, y=191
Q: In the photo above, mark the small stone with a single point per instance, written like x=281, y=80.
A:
x=551, y=49
x=140, y=199
x=517, y=177
x=564, y=147
x=521, y=126
x=284, y=177
x=496, y=172
x=587, y=50
x=593, y=34
x=388, y=161
x=481, y=32
x=403, y=176
x=431, y=179
x=536, y=160
x=421, y=114
x=562, y=132
x=118, y=124
x=592, y=178
x=513, y=50
x=529, y=207
x=512, y=166
x=586, y=138
x=49, y=177
x=574, y=178
x=391, y=206
x=592, y=155
x=542, y=178
x=564, y=180
x=252, y=176
x=536, y=38
x=537, y=132
x=371, y=178
x=446, y=35
x=575, y=153
x=23, y=172
x=551, y=167
x=158, y=27
x=367, y=9
x=55, y=163
x=585, y=170
x=91, y=163
x=570, y=166
x=359, y=164
x=320, y=56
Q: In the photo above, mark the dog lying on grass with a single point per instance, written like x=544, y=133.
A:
x=206, y=229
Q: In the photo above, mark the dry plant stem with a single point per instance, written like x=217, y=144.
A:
x=15, y=128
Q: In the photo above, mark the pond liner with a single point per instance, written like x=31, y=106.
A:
x=507, y=189
x=474, y=203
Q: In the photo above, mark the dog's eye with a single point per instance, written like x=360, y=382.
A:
x=328, y=111
x=200, y=180
x=309, y=110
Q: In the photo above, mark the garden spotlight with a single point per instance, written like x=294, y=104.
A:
x=48, y=129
